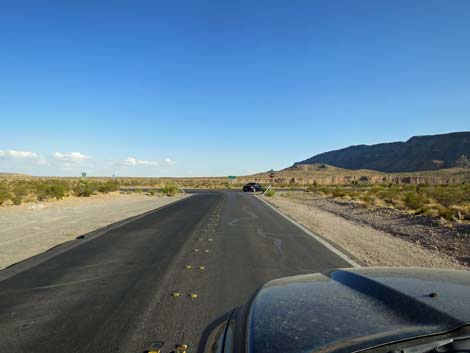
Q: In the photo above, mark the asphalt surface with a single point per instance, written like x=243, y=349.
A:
x=113, y=293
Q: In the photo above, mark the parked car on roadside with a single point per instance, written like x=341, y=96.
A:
x=252, y=187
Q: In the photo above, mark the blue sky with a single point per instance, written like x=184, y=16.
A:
x=192, y=88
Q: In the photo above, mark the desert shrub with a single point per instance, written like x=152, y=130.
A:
x=451, y=202
x=57, y=190
x=391, y=193
x=449, y=195
x=270, y=193
x=108, y=186
x=408, y=188
x=377, y=189
x=20, y=191
x=461, y=212
x=51, y=189
x=368, y=200
x=323, y=190
x=388, y=200
x=352, y=194
x=170, y=189
x=312, y=187
x=84, y=188
x=445, y=212
x=390, y=196
x=415, y=201
x=430, y=211
x=338, y=192
x=152, y=192
x=5, y=193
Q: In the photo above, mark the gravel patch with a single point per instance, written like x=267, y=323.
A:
x=380, y=237
x=30, y=229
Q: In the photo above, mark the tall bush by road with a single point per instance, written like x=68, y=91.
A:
x=170, y=189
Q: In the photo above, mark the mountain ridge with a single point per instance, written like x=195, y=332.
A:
x=418, y=153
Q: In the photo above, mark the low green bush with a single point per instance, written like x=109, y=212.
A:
x=430, y=211
x=323, y=190
x=415, y=201
x=170, y=189
x=20, y=191
x=449, y=195
x=312, y=187
x=108, y=186
x=84, y=188
x=270, y=193
x=446, y=212
x=51, y=189
x=338, y=192
x=5, y=193
x=368, y=200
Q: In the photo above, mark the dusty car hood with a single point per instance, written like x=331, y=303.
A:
x=354, y=309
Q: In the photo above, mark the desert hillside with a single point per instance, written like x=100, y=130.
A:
x=419, y=153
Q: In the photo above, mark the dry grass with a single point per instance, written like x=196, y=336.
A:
x=16, y=190
x=450, y=202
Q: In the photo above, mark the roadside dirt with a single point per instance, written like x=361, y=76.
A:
x=30, y=229
x=380, y=237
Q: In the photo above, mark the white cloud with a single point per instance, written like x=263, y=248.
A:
x=131, y=161
x=70, y=157
x=19, y=154
x=168, y=161
x=71, y=163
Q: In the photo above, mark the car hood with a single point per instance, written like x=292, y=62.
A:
x=354, y=309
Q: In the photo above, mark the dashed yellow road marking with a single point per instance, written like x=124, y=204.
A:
x=181, y=348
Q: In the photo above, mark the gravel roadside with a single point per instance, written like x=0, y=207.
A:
x=30, y=229
x=378, y=237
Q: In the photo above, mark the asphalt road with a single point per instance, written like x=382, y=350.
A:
x=113, y=293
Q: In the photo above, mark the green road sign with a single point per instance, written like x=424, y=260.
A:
x=232, y=177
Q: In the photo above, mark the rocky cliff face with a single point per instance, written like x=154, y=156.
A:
x=419, y=153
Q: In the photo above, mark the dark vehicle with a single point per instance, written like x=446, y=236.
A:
x=374, y=310
x=252, y=187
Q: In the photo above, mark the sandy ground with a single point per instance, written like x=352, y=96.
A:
x=371, y=246
x=30, y=229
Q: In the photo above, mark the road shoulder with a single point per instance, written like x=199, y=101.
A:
x=36, y=250
x=333, y=247
x=369, y=246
